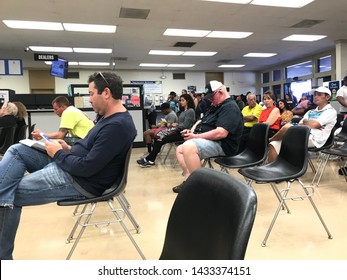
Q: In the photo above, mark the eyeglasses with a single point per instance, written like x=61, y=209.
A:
x=102, y=76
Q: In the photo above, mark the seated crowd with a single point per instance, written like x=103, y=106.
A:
x=223, y=130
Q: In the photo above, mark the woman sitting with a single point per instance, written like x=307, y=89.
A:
x=271, y=114
x=286, y=113
x=186, y=119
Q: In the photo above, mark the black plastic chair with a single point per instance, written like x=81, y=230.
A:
x=7, y=136
x=115, y=191
x=20, y=133
x=211, y=218
x=342, y=136
x=322, y=159
x=289, y=166
x=255, y=152
x=341, y=154
x=32, y=128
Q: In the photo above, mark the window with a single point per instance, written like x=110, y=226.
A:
x=265, y=77
x=324, y=64
x=276, y=75
x=298, y=70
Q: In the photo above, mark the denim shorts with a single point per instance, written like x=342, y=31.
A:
x=208, y=148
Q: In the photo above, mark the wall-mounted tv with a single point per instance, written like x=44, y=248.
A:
x=59, y=68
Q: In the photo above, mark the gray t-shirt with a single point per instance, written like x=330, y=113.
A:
x=171, y=117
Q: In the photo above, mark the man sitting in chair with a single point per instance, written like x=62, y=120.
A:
x=321, y=120
x=218, y=133
x=83, y=170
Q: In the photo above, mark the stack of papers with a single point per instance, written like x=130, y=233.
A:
x=38, y=145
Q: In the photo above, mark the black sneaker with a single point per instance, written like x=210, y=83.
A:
x=141, y=161
x=178, y=188
x=146, y=163
x=344, y=171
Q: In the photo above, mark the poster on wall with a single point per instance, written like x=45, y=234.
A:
x=334, y=87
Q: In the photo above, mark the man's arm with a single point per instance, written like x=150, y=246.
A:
x=341, y=100
x=214, y=134
x=311, y=123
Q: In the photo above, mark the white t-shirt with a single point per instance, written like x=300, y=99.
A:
x=327, y=119
x=342, y=92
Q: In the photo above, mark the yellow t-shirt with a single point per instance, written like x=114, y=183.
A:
x=76, y=122
x=255, y=111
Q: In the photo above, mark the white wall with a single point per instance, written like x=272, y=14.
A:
x=238, y=82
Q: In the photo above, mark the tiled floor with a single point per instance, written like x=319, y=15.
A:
x=299, y=235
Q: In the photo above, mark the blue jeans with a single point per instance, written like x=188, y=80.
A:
x=45, y=183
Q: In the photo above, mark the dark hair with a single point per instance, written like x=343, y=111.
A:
x=109, y=80
x=189, y=99
x=286, y=105
x=164, y=106
x=61, y=100
x=172, y=93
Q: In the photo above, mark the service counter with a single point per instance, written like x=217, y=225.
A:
x=47, y=121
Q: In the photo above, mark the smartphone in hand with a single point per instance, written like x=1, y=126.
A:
x=45, y=137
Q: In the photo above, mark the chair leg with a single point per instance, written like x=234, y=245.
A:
x=309, y=196
x=83, y=227
x=114, y=211
x=322, y=162
x=168, y=152
x=278, y=195
x=70, y=237
x=280, y=206
x=122, y=203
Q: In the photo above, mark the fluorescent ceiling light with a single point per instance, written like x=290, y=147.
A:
x=282, y=3
x=231, y=65
x=94, y=63
x=230, y=1
x=92, y=50
x=273, y=3
x=158, y=52
x=304, y=38
x=38, y=25
x=89, y=27
x=189, y=53
x=260, y=54
x=186, y=32
x=181, y=65
x=229, y=34
x=50, y=49
x=71, y=63
x=152, y=65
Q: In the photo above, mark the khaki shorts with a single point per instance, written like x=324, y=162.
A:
x=277, y=144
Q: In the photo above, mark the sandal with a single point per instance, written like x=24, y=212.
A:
x=178, y=188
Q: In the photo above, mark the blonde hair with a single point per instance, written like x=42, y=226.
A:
x=11, y=109
x=22, y=110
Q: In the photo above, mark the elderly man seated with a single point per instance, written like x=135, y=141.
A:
x=321, y=120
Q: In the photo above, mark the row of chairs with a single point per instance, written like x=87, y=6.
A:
x=13, y=135
x=290, y=165
x=218, y=210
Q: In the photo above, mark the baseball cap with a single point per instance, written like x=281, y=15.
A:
x=211, y=87
x=323, y=89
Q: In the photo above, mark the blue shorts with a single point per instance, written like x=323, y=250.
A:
x=208, y=148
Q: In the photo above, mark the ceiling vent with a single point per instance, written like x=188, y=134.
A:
x=184, y=44
x=178, y=76
x=225, y=61
x=134, y=13
x=119, y=58
x=306, y=23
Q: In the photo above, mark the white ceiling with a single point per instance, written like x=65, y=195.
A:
x=135, y=37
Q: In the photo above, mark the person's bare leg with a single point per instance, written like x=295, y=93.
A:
x=148, y=136
x=191, y=157
x=180, y=159
x=272, y=154
x=279, y=135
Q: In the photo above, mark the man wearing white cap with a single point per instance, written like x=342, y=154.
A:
x=218, y=133
x=321, y=120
